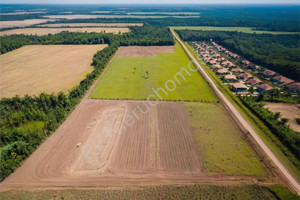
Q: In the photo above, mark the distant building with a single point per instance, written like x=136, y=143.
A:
x=269, y=73
x=263, y=88
x=222, y=71
x=237, y=70
x=245, y=76
x=254, y=81
x=282, y=80
x=212, y=62
x=294, y=87
x=216, y=67
x=230, y=77
x=239, y=87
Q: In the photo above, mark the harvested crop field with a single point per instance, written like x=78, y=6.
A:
x=290, y=111
x=140, y=51
x=46, y=31
x=114, y=142
x=34, y=69
x=27, y=22
x=114, y=16
x=92, y=25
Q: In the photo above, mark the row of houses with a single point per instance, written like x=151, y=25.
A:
x=212, y=58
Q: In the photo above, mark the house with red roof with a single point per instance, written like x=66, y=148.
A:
x=282, y=80
x=294, y=87
x=230, y=77
x=239, y=87
x=237, y=70
x=222, y=71
x=254, y=81
x=216, y=67
x=245, y=76
x=212, y=62
x=263, y=88
x=269, y=73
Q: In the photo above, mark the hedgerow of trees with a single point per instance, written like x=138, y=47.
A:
x=276, y=52
x=286, y=135
x=26, y=121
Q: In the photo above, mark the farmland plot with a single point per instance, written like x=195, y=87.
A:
x=34, y=69
x=109, y=142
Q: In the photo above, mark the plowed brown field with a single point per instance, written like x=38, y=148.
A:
x=109, y=142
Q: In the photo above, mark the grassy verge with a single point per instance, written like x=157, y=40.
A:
x=239, y=29
x=135, y=78
x=221, y=146
x=172, y=192
x=282, y=192
x=256, y=124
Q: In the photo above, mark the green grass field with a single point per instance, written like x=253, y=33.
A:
x=220, y=143
x=127, y=78
x=168, y=192
x=239, y=29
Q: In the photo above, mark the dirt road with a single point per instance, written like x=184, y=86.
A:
x=289, y=177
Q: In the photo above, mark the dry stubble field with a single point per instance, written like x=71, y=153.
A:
x=34, y=69
x=46, y=31
x=91, y=25
x=26, y=22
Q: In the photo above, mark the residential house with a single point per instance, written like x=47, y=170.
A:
x=230, y=77
x=237, y=70
x=222, y=71
x=263, y=88
x=212, y=62
x=239, y=87
x=216, y=67
x=269, y=73
x=282, y=80
x=254, y=81
x=294, y=87
x=245, y=76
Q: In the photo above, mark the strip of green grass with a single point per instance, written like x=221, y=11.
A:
x=127, y=78
x=282, y=192
x=239, y=29
x=168, y=192
x=253, y=120
x=219, y=142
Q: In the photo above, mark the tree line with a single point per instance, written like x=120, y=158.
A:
x=145, y=35
x=27, y=121
x=276, y=52
x=287, y=136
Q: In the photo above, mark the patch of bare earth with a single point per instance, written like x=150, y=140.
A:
x=290, y=111
x=91, y=25
x=114, y=143
x=27, y=22
x=143, y=51
x=46, y=31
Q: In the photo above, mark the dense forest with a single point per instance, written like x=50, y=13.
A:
x=275, y=18
x=26, y=121
x=280, y=53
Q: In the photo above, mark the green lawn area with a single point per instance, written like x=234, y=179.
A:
x=220, y=143
x=239, y=29
x=127, y=78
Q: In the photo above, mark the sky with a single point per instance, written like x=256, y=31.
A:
x=150, y=2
